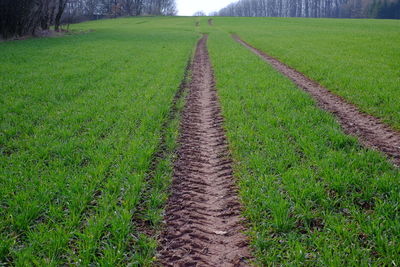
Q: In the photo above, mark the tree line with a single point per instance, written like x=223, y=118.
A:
x=28, y=17
x=389, y=9
x=20, y=17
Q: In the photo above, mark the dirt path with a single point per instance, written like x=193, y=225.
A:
x=369, y=130
x=203, y=223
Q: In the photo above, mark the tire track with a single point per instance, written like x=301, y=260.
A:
x=370, y=131
x=203, y=222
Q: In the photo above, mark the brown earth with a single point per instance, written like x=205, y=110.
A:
x=370, y=130
x=203, y=222
x=44, y=34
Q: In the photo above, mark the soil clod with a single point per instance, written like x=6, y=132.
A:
x=203, y=222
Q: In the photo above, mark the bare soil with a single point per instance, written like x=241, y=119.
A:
x=370, y=131
x=38, y=34
x=44, y=34
x=203, y=222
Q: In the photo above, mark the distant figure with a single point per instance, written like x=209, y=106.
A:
x=210, y=22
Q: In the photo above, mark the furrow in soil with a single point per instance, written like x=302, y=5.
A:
x=203, y=222
x=369, y=130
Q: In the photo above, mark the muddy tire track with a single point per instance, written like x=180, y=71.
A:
x=203, y=222
x=369, y=130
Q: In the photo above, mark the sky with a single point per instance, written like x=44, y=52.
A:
x=189, y=7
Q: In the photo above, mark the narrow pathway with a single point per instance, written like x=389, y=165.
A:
x=203, y=223
x=370, y=130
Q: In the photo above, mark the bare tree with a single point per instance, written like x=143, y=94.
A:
x=60, y=10
x=310, y=8
x=199, y=14
x=21, y=17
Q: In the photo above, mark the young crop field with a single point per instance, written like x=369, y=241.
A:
x=356, y=59
x=81, y=118
x=313, y=195
x=163, y=140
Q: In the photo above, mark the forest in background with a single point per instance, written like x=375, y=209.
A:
x=28, y=17
x=381, y=9
x=32, y=17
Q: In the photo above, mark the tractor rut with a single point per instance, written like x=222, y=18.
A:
x=203, y=222
x=370, y=131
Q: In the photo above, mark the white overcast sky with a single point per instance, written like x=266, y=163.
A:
x=188, y=7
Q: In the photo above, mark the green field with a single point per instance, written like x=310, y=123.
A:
x=84, y=116
x=81, y=118
x=356, y=59
x=313, y=195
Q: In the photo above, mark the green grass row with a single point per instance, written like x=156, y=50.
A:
x=312, y=195
x=356, y=59
x=81, y=119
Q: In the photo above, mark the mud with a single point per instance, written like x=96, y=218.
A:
x=203, y=222
x=370, y=131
